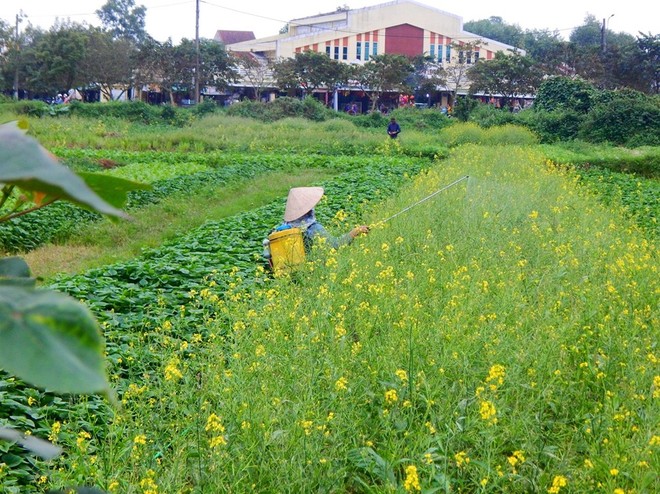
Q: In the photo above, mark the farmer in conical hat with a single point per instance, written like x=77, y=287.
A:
x=299, y=213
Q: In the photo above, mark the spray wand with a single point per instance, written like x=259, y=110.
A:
x=427, y=198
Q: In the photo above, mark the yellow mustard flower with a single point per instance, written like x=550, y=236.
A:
x=340, y=384
x=391, y=396
x=411, y=483
x=462, y=459
x=557, y=483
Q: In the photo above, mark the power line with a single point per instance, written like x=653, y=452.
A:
x=340, y=32
x=318, y=30
x=87, y=14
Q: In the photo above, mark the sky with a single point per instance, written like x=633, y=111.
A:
x=176, y=18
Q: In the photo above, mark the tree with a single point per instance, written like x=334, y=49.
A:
x=309, y=70
x=7, y=53
x=547, y=49
x=177, y=66
x=52, y=60
x=217, y=68
x=148, y=63
x=649, y=61
x=588, y=34
x=624, y=65
x=428, y=74
x=496, y=29
x=124, y=19
x=108, y=62
x=255, y=70
x=386, y=72
x=456, y=71
x=508, y=76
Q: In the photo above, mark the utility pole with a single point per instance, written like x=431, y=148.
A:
x=19, y=18
x=197, y=53
x=603, y=38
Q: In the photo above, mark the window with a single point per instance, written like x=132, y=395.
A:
x=448, y=53
x=344, y=53
x=358, y=54
x=432, y=52
x=366, y=51
x=440, y=53
x=375, y=49
x=327, y=50
x=476, y=56
x=336, y=53
x=461, y=56
x=469, y=57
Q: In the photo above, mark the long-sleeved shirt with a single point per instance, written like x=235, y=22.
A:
x=317, y=229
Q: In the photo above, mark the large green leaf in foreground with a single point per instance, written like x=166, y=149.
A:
x=26, y=164
x=113, y=190
x=15, y=271
x=50, y=340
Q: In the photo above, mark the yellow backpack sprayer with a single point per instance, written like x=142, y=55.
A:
x=284, y=249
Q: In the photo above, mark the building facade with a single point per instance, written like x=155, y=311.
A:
x=403, y=27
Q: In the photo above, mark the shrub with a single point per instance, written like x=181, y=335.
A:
x=175, y=116
x=34, y=108
x=374, y=120
x=134, y=111
x=248, y=109
x=408, y=117
x=206, y=107
x=563, y=93
x=623, y=117
x=418, y=119
x=283, y=107
x=552, y=126
x=463, y=108
x=489, y=116
x=314, y=110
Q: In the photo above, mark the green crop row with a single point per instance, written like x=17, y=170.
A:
x=627, y=178
x=134, y=298
x=637, y=196
x=177, y=267
x=57, y=221
x=643, y=161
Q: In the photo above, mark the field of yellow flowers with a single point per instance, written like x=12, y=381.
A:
x=500, y=337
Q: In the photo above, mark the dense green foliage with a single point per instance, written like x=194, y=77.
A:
x=134, y=111
x=283, y=107
x=593, y=52
x=624, y=118
x=563, y=93
x=571, y=108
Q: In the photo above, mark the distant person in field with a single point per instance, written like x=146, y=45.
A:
x=393, y=129
x=299, y=213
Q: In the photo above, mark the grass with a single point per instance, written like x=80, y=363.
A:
x=105, y=242
x=221, y=132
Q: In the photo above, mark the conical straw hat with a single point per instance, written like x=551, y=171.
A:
x=301, y=200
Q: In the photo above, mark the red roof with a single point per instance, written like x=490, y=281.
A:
x=229, y=37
